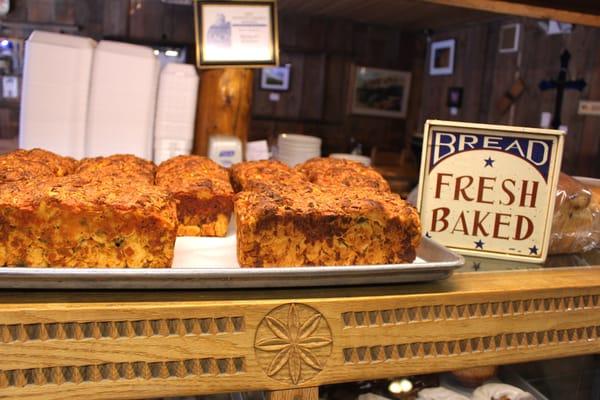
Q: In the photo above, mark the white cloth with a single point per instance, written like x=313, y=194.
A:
x=498, y=390
x=440, y=393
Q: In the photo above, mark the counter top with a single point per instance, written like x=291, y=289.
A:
x=135, y=344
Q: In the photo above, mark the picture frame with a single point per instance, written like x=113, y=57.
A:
x=509, y=38
x=379, y=92
x=276, y=78
x=441, y=57
x=238, y=33
x=455, y=97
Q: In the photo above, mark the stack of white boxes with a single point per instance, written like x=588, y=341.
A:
x=82, y=100
x=175, y=111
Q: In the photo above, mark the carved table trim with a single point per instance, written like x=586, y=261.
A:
x=107, y=345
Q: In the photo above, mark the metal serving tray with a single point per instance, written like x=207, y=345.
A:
x=433, y=262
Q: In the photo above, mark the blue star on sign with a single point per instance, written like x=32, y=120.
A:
x=479, y=244
x=489, y=162
x=533, y=250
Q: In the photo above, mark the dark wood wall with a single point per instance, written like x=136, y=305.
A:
x=485, y=74
x=321, y=53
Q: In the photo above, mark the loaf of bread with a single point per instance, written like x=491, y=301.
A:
x=76, y=221
x=203, y=194
x=32, y=164
x=283, y=225
x=576, y=221
x=120, y=167
x=256, y=175
x=334, y=172
x=100, y=212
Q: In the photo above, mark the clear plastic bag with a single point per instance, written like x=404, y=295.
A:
x=576, y=221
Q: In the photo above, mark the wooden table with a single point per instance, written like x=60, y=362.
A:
x=111, y=345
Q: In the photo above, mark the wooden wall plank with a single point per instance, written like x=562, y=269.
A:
x=313, y=86
x=115, y=19
x=533, y=11
x=485, y=74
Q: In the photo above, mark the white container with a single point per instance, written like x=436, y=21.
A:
x=352, y=157
x=122, y=100
x=225, y=150
x=293, y=149
x=175, y=111
x=54, y=99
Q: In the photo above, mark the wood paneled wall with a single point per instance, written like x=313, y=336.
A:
x=321, y=52
x=485, y=74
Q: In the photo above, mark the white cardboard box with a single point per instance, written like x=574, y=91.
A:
x=122, y=100
x=175, y=111
x=54, y=98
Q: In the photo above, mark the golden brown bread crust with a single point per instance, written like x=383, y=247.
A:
x=203, y=194
x=118, y=166
x=336, y=172
x=306, y=225
x=29, y=164
x=76, y=221
x=475, y=376
x=255, y=175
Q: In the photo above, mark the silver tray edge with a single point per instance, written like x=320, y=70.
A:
x=440, y=263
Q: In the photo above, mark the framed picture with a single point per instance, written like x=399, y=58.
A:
x=276, y=78
x=379, y=92
x=455, y=95
x=441, y=57
x=509, y=38
x=240, y=33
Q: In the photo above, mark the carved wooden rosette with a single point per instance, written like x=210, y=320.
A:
x=293, y=343
x=134, y=345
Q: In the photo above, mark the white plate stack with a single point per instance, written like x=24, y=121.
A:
x=294, y=149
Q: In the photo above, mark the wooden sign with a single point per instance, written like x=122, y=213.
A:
x=489, y=190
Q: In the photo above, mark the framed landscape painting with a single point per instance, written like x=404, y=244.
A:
x=379, y=92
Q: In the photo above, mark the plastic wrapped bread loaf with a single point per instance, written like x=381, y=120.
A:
x=576, y=221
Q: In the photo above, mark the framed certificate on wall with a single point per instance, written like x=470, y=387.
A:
x=241, y=33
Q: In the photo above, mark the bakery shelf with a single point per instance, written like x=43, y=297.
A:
x=140, y=344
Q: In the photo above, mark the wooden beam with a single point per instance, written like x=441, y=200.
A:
x=524, y=10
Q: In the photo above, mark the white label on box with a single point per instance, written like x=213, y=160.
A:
x=257, y=150
x=10, y=87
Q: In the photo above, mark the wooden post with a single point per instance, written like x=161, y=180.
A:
x=294, y=394
x=224, y=99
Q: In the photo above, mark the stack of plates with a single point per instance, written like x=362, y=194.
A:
x=294, y=149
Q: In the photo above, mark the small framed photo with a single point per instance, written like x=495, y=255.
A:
x=509, y=38
x=441, y=57
x=276, y=78
x=240, y=33
x=379, y=92
x=455, y=95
